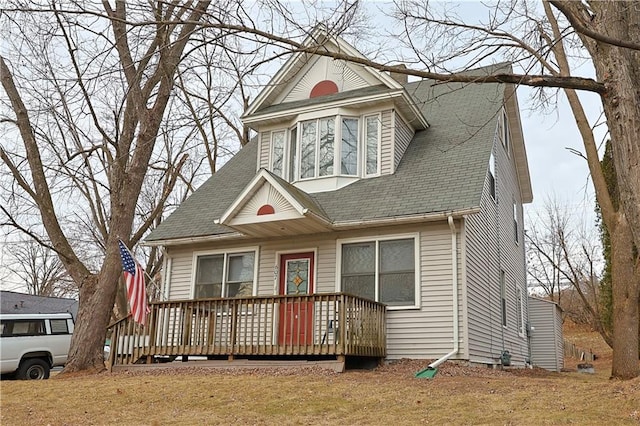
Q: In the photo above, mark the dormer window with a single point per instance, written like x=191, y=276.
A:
x=335, y=146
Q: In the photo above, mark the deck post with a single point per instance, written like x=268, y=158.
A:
x=234, y=324
x=342, y=326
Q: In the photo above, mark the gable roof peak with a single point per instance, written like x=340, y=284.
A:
x=319, y=43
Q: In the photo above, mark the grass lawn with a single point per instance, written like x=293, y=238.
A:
x=389, y=395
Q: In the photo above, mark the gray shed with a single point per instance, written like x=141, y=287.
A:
x=547, y=344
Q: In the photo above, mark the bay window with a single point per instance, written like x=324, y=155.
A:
x=328, y=146
x=225, y=275
x=382, y=270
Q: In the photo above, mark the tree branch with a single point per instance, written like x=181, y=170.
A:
x=582, y=29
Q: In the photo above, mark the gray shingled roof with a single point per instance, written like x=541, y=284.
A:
x=443, y=169
x=20, y=303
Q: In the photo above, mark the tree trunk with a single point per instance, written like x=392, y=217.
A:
x=619, y=69
x=97, y=296
x=625, y=288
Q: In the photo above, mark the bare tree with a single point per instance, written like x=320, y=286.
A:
x=99, y=116
x=565, y=260
x=95, y=131
x=38, y=270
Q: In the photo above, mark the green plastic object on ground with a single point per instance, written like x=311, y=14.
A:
x=427, y=373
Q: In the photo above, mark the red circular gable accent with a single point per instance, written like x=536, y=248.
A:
x=266, y=209
x=325, y=87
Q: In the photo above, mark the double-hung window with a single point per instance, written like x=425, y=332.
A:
x=349, y=147
x=225, y=275
x=382, y=270
x=317, y=141
x=371, y=139
x=277, y=152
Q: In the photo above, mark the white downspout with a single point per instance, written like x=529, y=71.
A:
x=454, y=274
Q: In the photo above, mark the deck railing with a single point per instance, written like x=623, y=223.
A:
x=307, y=325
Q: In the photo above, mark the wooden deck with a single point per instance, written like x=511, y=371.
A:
x=318, y=326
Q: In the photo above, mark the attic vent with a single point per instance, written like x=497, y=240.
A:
x=266, y=209
x=325, y=87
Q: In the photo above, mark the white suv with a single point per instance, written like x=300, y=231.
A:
x=31, y=344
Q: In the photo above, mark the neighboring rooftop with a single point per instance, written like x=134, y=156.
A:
x=21, y=303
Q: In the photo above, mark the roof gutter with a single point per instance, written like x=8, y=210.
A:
x=424, y=217
x=193, y=240
x=337, y=226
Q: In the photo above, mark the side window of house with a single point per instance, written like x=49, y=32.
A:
x=515, y=222
x=520, y=311
x=505, y=132
x=492, y=176
x=503, y=298
x=225, y=275
x=382, y=270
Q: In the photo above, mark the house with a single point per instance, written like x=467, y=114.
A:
x=370, y=216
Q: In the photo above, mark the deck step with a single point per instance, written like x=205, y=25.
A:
x=335, y=365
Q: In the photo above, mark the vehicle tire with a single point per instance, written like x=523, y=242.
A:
x=33, y=369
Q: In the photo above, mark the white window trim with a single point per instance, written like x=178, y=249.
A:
x=378, y=116
x=226, y=253
x=378, y=238
x=284, y=151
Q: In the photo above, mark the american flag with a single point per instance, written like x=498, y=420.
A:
x=134, y=278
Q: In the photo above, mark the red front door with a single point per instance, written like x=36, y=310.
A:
x=295, y=325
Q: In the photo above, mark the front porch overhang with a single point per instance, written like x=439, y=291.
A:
x=271, y=207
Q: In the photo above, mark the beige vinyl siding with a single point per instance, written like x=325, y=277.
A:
x=386, y=143
x=180, y=282
x=491, y=247
x=324, y=261
x=403, y=136
x=547, y=350
x=264, y=152
x=424, y=332
x=427, y=333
